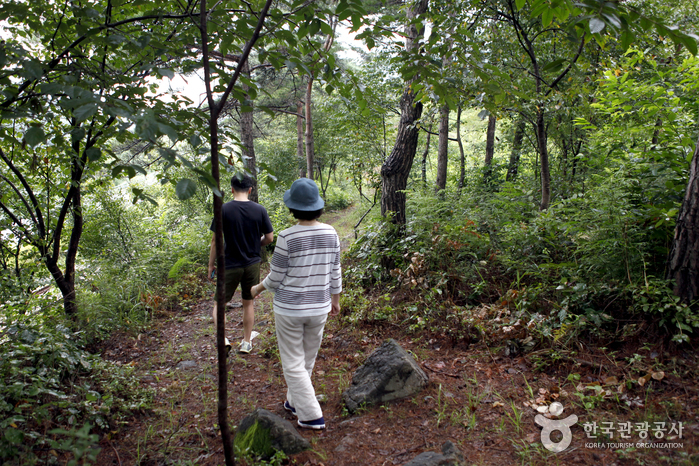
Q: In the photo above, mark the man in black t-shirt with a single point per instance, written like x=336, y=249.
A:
x=246, y=228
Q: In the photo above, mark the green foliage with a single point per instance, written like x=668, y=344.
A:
x=47, y=378
x=337, y=198
x=178, y=268
x=79, y=442
x=570, y=269
x=656, y=299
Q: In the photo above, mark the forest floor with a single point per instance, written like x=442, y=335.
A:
x=477, y=397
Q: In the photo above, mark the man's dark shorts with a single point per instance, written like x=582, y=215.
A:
x=246, y=277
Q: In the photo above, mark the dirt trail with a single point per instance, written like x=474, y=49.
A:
x=479, y=400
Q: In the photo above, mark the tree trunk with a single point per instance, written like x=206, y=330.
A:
x=656, y=132
x=310, y=154
x=442, y=149
x=215, y=109
x=396, y=168
x=489, y=150
x=544, y=155
x=513, y=166
x=299, y=139
x=683, y=260
x=462, y=156
x=425, y=153
x=247, y=128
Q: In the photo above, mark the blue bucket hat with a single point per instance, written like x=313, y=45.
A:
x=303, y=195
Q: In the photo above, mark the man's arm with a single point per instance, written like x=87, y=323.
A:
x=267, y=239
x=212, y=255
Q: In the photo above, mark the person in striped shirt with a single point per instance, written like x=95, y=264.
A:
x=306, y=278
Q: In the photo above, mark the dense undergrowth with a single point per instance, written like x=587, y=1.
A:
x=492, y=265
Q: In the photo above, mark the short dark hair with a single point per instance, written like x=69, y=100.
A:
x=242, y=183
x=306, y=214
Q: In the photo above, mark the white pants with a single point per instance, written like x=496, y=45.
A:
x=299, y=339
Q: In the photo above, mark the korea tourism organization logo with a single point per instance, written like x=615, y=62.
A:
x=550, y=426
x=608, y=435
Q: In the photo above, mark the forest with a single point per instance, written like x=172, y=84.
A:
x=515, y=184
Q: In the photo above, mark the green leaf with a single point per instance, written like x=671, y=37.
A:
x=554, y=66
x=32, y=70
x=34, y=136
x=14, y=436
x=520, y=4
x=169, y=131
x=195, y=140
x=93, y=154
x=185, y=189
x=596, y=25
x=84, y=112
x=547, y=17
x=166, y=73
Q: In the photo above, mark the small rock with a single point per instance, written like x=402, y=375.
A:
x=345, y=444
x=185, y=365
x=450, y=456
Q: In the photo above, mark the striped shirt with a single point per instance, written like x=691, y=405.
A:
x=305, y=270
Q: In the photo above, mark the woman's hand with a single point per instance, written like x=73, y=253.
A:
x=257, y=289
x=335, y=305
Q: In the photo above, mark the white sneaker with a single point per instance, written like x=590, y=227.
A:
x=245, y=347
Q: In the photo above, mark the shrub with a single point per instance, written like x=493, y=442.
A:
x=48, y=379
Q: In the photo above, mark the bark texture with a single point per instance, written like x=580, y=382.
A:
x=425, y=153
x=247, y=128
x=513, y=167
x=442, y=149
x=299, y=140
x=462, y=155
x=489, y=149
x=683, y=261
x=396, y=168
x=542, y=141
x=310, y=151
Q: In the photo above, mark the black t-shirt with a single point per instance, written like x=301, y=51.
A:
x=244, y=223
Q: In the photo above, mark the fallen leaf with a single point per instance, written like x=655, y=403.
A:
x=611, y=381
x=643, y=380
x=531, y=438
x=658, y=375
x=497, y=404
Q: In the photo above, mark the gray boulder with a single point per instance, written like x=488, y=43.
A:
x=450, y=456
x=390, y=373
x=262, y=433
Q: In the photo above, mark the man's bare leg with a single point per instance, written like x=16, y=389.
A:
x=248, y=318
x=213, y=314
